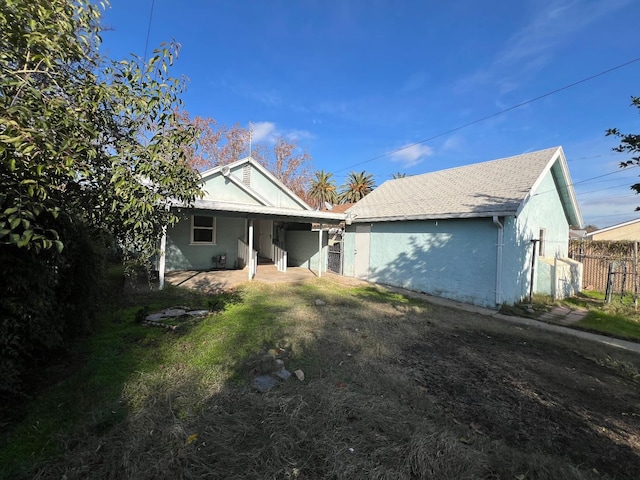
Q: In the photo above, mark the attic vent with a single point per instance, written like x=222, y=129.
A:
x=246, y=175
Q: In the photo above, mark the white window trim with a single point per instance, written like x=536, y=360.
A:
x=212, y=228
x=542, y=244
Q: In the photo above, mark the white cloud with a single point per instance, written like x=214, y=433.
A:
x=411, y=155
x=262, y=131
x=268, y=132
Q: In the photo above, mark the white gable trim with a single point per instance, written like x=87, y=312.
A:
x=250, y=191
x=261, y=169
x=572, y=209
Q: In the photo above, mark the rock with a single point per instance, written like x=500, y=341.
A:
x=279, y=363
x=319, y=303
x=264, y=383
x=299, y=375
x=283, y=374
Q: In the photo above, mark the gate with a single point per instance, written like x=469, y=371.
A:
x=334, y=260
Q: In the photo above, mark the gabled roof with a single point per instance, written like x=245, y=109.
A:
x=228, y=172
x=498, y=187
x=232, y=191
x=613, y=227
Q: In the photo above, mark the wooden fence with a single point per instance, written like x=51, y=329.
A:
x=596, y=257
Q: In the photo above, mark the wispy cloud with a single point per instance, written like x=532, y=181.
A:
x=411, y=155
x=261, y=131
x=269, y=132
x=529, y=49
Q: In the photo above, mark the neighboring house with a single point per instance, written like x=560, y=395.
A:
x=470, y=233
x=246, y=213
x=577, y=234
x=623, y=231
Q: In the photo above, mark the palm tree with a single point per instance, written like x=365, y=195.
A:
x=323, y=189
x=395, y=176
x=357, y=187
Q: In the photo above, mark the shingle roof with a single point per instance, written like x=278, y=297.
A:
x=498, y=187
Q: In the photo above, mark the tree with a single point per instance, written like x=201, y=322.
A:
x=629, y=143
x=290, y=166
x=218, y=144
x=90, y=148
x=85, y=136
x=358, y=185
x=322, y=190
x=395, y=176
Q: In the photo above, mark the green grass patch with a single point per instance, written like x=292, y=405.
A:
x=150, y=402
x=615, y=324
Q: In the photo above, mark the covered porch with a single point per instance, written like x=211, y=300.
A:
x=220, y=244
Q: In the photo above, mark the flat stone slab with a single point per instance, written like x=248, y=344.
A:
x=264, y=383
x=175, y=312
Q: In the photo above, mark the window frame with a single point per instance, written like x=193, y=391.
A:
x=542, y=239
x=211, y=228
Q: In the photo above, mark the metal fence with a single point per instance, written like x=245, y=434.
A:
x=597, y=257
x=334, y=260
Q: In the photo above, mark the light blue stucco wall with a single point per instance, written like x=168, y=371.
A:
x=457, y=259
x=542, y=211
x=220, y=188
x=454, y=259
x=302, y=249
x=182, y=255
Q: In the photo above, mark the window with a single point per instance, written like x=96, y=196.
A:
x=203, y=229
x=541, y=240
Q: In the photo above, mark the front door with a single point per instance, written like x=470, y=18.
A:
x=263, y=237
x=363, y=240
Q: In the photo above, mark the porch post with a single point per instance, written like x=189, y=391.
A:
x=250, y=248
x=161, y=258
x=320, y=252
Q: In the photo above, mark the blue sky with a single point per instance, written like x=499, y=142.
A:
x=352, y=80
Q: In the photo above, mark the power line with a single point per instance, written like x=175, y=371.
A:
x=487, y=117
x=146, y=43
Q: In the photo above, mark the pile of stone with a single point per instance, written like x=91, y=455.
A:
x=271, y=371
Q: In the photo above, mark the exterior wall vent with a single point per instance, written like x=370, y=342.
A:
x=246, y=175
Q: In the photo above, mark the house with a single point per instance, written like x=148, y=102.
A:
x=485, y=234
x=623, y=231
x=246, y=213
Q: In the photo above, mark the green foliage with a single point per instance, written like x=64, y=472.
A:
x=85, y=136
x=630, y=144
x=91, y=152
x=322, y=190
x=358, y=185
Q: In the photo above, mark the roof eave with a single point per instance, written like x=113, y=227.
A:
x=444, y=216
x=247, y=211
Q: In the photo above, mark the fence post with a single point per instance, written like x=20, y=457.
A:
x=609, y=290
x=635, y=275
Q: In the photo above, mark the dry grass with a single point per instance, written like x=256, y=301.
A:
x=369, y=407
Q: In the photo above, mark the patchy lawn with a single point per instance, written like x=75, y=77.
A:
x=393, y=388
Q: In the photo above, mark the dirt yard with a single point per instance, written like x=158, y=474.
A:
x=533, y=395
x=393, y=389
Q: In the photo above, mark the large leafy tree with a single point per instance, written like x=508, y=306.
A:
x=630, y=144
x=84, y=136
x=357, y=186
x=90, y=148
x=322, y=189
